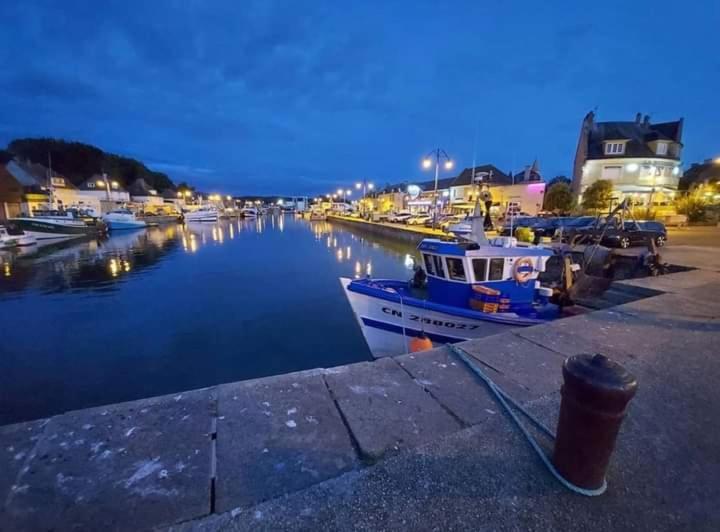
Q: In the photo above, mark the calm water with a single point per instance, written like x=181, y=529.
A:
x=175, y=308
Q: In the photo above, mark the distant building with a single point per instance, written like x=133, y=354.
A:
x=141, y=192
x=704, y=179
x=105, y=191
x=640, y=158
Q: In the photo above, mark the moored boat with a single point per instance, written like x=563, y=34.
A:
x=249, y=212
x=205, y=213
x=464, y=290
x=48, y=225
x=123, y=219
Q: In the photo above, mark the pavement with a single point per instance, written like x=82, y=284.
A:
x=413, y=442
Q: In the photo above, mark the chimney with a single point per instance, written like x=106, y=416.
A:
x=638, y=118
x=646, y=120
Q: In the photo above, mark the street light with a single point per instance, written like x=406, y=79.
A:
x=438, y=154
x=365, y=186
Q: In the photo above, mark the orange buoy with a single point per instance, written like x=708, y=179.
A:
x=420, y=343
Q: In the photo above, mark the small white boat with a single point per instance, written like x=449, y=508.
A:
x=203, y=214
x=7, y=240
x=123, y=219
x=249, y=212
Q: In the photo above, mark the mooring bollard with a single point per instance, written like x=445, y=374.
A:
x=595, y=396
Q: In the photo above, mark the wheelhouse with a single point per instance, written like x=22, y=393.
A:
x=453, y=270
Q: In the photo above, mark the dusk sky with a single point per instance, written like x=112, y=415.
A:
x=264, y=97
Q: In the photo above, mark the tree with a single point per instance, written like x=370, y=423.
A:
x=558, y=197
x=559, y=179
x=598, y=195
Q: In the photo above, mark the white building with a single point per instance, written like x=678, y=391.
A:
x=641, y=159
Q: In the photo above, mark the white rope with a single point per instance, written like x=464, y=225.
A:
x=504, y=399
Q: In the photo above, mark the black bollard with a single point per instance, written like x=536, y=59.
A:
x=595, y=396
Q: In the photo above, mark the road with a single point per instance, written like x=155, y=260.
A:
x=694, y=236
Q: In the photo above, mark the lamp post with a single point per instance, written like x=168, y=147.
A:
x=365, y=186
x=438, y=154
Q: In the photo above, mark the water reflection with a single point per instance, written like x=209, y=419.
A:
x=179, y=307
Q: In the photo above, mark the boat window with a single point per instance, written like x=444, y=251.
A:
x=480, y=269
x=439, y=270
x=456, y=269
x=496, y=269
x=429, y=266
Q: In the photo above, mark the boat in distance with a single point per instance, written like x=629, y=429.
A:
x=123, y=220
x=462, y=291
x=205, y=213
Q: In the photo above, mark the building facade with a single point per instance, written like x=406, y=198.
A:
x=641, y=159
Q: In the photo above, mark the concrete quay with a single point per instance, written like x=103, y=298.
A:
x=409, y=233
x=413, y=442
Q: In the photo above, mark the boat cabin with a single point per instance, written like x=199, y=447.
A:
x=460, y=272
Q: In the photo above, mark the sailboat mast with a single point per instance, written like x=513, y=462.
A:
x=51, y=189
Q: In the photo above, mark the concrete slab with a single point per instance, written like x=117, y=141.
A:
x=586, y=333
x=701, y=302
x=663, y=474
x=535, y=368
x=17, y=443
x=675, y=282
x=455, y=387
x=702, y=257
x=126, y=467
x=275, y=436
x=385, y=409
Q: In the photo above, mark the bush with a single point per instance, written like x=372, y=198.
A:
x=524, y=234
x=693, y=206
x=598, y=195
x=558, y=198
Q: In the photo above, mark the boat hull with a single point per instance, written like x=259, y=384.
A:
x=388, y=326
x=125, y=226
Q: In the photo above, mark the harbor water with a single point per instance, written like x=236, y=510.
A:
x=173, y=308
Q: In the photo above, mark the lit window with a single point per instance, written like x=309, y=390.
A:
x=497, y=266
x=662, y=148
x=614, y=148
x=91, y=185
x=429, y=264
x=440, y=271
x=611, y=172
x=456, y=270
x=480, y=269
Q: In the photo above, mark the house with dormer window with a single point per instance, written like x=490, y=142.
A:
x=640, y=158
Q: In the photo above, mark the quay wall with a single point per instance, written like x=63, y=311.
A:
x=403, y=232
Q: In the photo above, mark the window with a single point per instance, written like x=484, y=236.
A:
x=611, y=172
x=662, y=148
x=439, y=270
x=480, y=269
x=91, y=185
x=497, y=266
x=57, y=181
x=456, y=270
x=614, y=148
x=429, y=266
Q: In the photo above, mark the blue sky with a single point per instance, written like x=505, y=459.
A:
x=301, y=97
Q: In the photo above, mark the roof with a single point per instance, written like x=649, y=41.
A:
x=140, y=187
x=637, y=134
x=25, y=174
x=486, y=173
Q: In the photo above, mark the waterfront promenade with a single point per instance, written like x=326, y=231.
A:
x=413, y=442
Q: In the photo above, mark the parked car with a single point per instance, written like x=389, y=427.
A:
x=453, y=219
x=524, y=221
x=418, y=219
x=399, y=217
x=575, y=226
x=627, y=234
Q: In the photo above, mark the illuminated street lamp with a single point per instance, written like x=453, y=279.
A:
x=365, y=186
x=439, y=155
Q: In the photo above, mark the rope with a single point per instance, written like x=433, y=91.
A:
x=402, y=321
x=505, y=400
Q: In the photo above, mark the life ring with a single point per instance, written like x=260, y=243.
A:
x=523, y=264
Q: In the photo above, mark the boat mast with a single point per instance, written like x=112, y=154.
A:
x=51, y=190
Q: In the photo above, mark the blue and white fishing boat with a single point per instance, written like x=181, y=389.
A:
x=465, y=290
x=122, y=220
